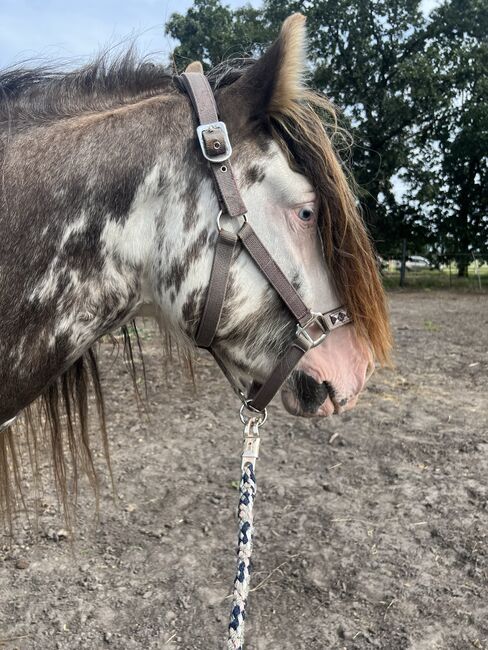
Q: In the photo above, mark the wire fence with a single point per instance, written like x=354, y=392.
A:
x=417, y=271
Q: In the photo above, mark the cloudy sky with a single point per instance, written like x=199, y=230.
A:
x=63, y=29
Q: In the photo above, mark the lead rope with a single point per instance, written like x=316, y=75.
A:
x=247, y=492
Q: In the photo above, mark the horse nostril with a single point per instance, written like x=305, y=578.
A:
x=309, y=392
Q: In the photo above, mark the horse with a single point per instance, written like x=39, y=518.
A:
x=109, y=211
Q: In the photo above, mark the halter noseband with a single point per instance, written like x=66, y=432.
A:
x=216, y=148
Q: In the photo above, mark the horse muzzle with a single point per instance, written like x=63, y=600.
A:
x=330, y=377
x=303, y=396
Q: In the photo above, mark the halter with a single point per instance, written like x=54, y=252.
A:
x=216, y=148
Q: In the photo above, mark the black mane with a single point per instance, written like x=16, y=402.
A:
x=44, y=93
x=33, y=95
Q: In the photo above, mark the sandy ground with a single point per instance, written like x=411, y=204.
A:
x=372, y=538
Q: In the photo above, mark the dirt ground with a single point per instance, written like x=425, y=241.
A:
x=372, y=538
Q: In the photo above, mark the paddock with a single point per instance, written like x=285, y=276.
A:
x=371, y=527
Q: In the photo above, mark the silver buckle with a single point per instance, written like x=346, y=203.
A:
x=211, y=127
x=317, y=318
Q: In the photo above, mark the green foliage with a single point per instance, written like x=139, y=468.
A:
x=449, y=177
x=210, y=32
x=411, y=89
x=370, y=59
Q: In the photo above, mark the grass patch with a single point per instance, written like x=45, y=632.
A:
x=430, y=326
x=477, y=279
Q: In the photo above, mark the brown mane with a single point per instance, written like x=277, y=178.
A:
x=58, y=421
x=301, y=129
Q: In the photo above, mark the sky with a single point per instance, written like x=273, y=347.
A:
x=67, y=30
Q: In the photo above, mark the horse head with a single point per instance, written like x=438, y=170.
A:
x=301, y=207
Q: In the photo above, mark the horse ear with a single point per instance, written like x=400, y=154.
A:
x=194, y=66
x=275, y=82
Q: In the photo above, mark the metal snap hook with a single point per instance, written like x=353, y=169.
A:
x=260, y=417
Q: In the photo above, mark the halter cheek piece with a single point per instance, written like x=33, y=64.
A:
x=216, y=148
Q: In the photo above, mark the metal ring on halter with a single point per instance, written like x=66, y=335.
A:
x=261, y=416
x=244, y=216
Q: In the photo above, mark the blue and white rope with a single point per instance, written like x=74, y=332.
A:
x=247, y=491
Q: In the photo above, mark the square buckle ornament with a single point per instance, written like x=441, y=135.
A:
x=208, y=129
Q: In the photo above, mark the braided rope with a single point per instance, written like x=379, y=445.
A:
x=247, y=490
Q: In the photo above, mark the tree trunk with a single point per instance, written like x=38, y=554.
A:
x=462, y=265
x=464, y=234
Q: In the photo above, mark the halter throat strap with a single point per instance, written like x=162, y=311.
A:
x=216, y=148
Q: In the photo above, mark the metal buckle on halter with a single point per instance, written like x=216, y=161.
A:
x=214, y=126
x=317, y=319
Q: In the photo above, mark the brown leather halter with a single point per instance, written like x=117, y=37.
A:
x=216, y=148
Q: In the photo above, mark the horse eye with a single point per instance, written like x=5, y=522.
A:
x=306, y=214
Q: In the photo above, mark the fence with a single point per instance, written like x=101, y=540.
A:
x=415, y=271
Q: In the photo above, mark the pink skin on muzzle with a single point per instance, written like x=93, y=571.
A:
x=344, y=362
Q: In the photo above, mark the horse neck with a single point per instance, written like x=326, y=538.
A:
x=87, y=206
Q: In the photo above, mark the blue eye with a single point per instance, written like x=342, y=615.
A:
x=306, y=214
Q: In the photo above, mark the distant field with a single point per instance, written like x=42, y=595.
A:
x=444, y=278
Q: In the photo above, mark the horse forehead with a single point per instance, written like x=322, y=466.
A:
x=277, y=179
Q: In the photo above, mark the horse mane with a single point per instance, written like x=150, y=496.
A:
x=32, y=95
x=39, y=94
x=307, y=130
x=58, y=420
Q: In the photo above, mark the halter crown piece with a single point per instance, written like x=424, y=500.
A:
x=216, y=148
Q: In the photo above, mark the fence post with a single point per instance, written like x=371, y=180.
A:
x=404, y=263
x=477, y=270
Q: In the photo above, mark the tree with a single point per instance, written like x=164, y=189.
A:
x=449, y=177
x=370, y=58
x=210, y=32
x=384, y=63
